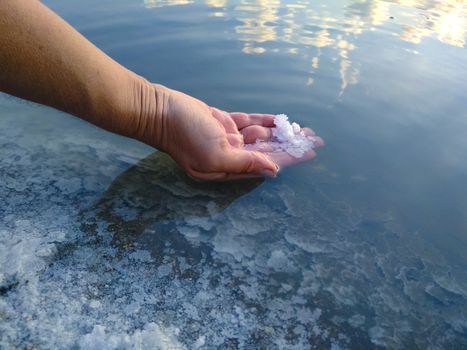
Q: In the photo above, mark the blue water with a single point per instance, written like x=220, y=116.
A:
x=106, y=244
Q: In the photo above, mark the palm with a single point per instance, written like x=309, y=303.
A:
x=210, y=144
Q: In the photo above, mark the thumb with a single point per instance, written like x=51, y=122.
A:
x=239, y=161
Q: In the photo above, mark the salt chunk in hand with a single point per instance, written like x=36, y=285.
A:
x=289, y=138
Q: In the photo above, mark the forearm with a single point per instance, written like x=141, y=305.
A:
x=43, y=59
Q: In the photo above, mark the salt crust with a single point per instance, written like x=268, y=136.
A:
x=288, y=138
x=151, y=337
x=68, y=287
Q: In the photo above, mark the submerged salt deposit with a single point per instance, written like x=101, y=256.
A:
x=98, y=252
x=288, y=137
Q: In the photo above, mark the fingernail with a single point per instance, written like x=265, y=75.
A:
x=270, y=173
x=267, y=173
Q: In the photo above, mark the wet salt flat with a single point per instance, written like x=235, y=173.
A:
x=106, y=244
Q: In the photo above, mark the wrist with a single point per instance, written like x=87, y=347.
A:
x=150, y=112
x=128, y=105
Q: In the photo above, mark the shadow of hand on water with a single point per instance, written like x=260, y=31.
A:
x=155, y=194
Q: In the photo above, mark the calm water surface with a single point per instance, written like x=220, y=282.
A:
x=105, y=244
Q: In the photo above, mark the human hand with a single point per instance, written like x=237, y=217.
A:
x=209, y=143
x=206, y=142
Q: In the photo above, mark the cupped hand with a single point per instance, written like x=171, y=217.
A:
x=209, y=144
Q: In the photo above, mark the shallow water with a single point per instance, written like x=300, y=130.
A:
x=105, y=244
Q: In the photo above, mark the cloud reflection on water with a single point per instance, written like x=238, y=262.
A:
x=306, y=28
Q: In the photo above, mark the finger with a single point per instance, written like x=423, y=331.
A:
x=317, y=141
x=224, y=176
x=242, y=120
x=225, y=119
x=272, y=146
x=260, y=147
x=266, y=146
x=236, y=140
x=267, y=143
x=283, y=159
x=255, y=132
x=241, y=161
x=308, y=132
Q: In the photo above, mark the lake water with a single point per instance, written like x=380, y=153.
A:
x=106, y=244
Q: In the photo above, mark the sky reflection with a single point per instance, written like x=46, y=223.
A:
x=304, y=23
x=307, y=28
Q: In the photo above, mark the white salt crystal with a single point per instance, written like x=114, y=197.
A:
x=296, y=128
x=94, y=304
x=289, y=137
x=200, y=342
x=283, y=131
